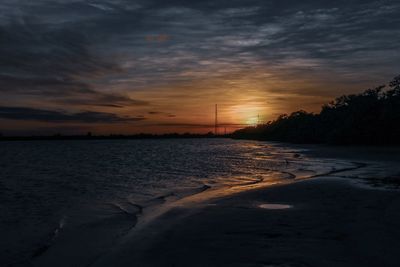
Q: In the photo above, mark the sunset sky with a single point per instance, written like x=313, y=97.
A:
x=125, y=66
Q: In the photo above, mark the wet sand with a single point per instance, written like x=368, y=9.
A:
x=332, y=220
x=331, y=223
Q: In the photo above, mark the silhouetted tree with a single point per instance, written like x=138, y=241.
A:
x=372, y=117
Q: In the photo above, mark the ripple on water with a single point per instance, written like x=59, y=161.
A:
x=270, y=206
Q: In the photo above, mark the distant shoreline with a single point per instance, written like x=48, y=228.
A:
x=368, y=118
x=171, y=136
x=176, y=136
x=109, y=137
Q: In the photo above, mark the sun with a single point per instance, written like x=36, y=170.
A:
x=253, y=121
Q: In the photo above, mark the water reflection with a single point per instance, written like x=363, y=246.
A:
x=270, y=206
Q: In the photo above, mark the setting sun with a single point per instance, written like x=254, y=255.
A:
x=253, y=121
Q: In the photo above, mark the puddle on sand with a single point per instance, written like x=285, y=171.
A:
x=275, y=206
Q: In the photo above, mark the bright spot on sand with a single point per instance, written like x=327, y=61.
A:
x=275, y=206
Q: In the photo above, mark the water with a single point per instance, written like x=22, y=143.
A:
x=54, y=194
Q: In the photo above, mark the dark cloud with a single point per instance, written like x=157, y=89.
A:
x=162, y=113
x=31, y=50
x=32, y=114
x=64, y=91
x=95, y=98
x=56, y=63
x=199, y=125
x=76, y=41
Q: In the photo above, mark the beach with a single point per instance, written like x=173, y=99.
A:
x=330, y=223
x=254, y=204
x=331, y=220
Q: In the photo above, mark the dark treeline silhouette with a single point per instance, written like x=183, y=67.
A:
x=370, y=118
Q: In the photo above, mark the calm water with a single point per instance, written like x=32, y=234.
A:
x=52, y=192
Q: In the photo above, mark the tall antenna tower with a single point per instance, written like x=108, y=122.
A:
x=216, y=120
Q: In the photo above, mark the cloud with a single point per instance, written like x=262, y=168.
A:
x=166, y=114
x=64, y=91
x=95, y=98
x=84, y=46
x=55, y=63
x=198, y=125
x=33, y=114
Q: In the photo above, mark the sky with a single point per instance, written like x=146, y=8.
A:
x=160, y=66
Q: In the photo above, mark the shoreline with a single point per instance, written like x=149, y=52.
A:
x=330, y=220
x=174, y=228
x=207, y=194
x=327, y=217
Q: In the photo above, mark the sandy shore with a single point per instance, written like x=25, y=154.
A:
x=331, y=223
x=347, y=217
x=331, y=220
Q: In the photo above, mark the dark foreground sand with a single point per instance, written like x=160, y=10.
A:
x=332, y=223
x=335, y=220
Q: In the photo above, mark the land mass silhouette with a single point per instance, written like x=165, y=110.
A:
x=368, y=118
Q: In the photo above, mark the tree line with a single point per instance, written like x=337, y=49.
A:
x=370, y=118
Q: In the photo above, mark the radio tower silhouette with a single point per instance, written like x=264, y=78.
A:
x=216, y=120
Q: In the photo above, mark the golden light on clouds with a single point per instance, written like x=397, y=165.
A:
x=248, y=113
x=243, y=97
